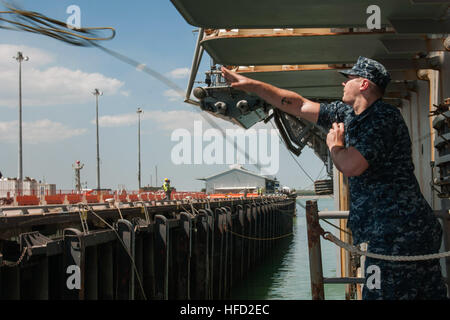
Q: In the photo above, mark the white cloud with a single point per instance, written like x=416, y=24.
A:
x=38, y=57
x=41, y=131
x=121, y=120
x=141, y=67
x=173, y=96
x=172, y=120
x=165, y=120
x=47, y=86
x=180, y=73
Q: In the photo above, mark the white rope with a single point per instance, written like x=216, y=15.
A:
x=329, y=236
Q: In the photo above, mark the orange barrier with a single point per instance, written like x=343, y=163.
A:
x=27, y=200
x=144, y=197
x=252, y=195
x=107, y=196
x=55, y=199
x=235, y=195
x=91, y=198
x=184, y=195
x=133, y=197
x=231, y=195
x=74, y=198
x=122, y=197
x=217, y=196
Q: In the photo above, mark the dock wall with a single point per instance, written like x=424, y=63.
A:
x=156, y=252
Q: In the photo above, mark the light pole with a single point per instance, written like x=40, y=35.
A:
x=139, y=111
x=97, y=93
x=20, y=58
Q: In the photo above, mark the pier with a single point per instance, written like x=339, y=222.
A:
x=168, y=250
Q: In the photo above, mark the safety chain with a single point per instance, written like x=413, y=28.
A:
x=330, y=237
x=15, y=264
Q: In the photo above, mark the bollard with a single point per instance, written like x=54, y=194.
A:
x=315, y=253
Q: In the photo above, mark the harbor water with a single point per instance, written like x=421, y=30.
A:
x=285, y=274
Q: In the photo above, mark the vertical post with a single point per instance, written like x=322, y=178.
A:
x=20, y=58
x=346, y=258
x=97, y=93
x=20, y=173
x=162, y=247
x=98, y=149
x=139, y=111
x=74, y=262
x=315, y=251
x=125, y=261
x=105, y=271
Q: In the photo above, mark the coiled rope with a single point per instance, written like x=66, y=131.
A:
x=22, y=20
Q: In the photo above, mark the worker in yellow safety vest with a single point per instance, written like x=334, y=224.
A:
x=167, y=188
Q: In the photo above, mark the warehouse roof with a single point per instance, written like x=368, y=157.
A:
x=238, y=168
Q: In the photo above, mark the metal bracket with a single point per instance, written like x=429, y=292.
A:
x=35, y=243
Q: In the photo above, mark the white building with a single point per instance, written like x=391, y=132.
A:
x=9, y=187
x=238, y=179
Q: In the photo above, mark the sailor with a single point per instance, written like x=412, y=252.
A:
x=260, y=191
x=369, y=143
x=167, y=188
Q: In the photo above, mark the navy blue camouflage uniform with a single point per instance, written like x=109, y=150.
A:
x=387, y=208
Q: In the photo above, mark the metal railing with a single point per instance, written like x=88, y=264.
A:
x=313, y=217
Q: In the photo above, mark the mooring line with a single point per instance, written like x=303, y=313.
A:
x=126, y=250
x=261, y=239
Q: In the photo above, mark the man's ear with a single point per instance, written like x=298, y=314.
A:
x=364, y=85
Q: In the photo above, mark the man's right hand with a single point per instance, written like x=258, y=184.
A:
x=238, y=81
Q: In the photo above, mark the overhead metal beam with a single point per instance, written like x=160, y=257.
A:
x=421, y=25
x=299, y=14
x=429, y=1
x=337, y=48
x=404, y=75
x=411, y=64
x=413, y=45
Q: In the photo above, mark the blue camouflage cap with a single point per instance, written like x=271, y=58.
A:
x=371, y=70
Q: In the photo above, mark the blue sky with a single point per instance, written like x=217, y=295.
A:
x=59, y=110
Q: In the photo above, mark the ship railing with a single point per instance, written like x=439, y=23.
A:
x=313, y=216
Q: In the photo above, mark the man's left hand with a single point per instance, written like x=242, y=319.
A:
x=335, y=137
